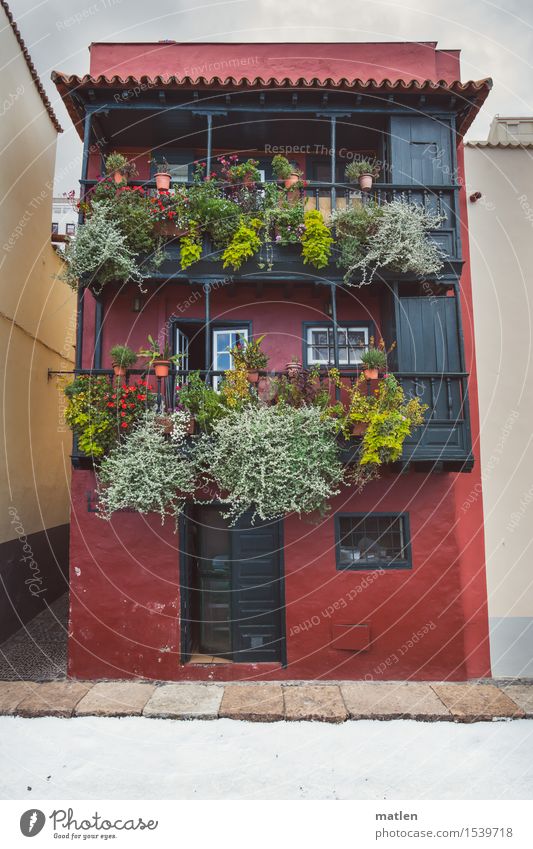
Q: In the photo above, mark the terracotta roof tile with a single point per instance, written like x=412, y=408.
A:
x=31, y=67
x=476, y=89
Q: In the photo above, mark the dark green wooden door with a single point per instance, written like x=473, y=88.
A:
x=429, y=358
x=257, y=597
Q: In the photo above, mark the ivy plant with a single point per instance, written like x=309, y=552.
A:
x=316, y=240
x=244, y=243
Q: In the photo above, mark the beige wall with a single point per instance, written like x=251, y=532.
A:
x=37, y=311
x=501, y=243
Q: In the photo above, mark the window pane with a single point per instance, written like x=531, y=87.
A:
x=224, y=362
x=223, y=342
x=179, y=172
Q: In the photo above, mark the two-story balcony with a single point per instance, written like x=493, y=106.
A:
x=411, y=130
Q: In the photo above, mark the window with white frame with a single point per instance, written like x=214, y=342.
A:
x=224, y=339
x=353, y=340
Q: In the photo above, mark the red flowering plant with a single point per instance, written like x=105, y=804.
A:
x=101, y=414
x=171, y=206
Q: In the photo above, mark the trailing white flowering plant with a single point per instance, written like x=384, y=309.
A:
x=100, y=252
x=147, y=472
x=272, y=461
x=394, y=236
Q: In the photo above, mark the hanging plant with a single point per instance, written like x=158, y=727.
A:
x=244, y=243
x=394, y=236
x=147, y=472
x=316, y=240
x=100, y=252
x=272, y=461
x=191, y=246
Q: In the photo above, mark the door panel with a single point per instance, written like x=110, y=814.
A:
x=187, y=546
x=256, y=592
x=428, y=335
x=420, y=151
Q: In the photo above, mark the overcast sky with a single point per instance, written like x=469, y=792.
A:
x=495, y=38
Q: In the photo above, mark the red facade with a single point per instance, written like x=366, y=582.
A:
x=425, y=622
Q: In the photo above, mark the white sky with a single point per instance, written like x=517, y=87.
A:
x=495, y=38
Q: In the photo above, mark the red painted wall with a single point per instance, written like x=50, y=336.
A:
x=391, y=60
x=125, y=595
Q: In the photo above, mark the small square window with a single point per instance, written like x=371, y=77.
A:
x=70, y=229
x=55, y=227
x=373, y=541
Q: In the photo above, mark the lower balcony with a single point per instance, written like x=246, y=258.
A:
x=442, y=443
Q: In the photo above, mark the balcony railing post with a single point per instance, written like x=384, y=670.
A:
x=333, y=153
x=209, y=143
x=333, y=290
x=207, y=293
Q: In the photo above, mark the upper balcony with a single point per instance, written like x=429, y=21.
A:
x=410, y=128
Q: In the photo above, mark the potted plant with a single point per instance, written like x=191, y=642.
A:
x=162, y=176
x=122, y=359
x=283, y=170
x=248, y=355
x=374, y=360
x=293, y=368
x=244, y=172
x=119, y=167
x=363, y=171
x=159, y=357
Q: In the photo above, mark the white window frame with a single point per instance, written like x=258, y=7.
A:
x=328, y=327
x=216, y=332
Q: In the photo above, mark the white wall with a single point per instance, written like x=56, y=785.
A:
x=501, y=244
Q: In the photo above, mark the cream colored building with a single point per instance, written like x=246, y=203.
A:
x=37, y=333
x=501, y=243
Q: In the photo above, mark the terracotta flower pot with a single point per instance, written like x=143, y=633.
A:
x=365, y=182
x=359, y=428
x=120, y=371
x=161, y=367
x=118, y=176
x=170, y=229
x=166, y=423
x=291, y=181
x=371, y=373
x=162, y=182
x=252, y=375
x=293, y=369
x=266, y=390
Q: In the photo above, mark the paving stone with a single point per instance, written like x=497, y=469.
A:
x=185, y=701
x=476, y=702
x=115, y=698
x=319, y=703
x=253, y=702
x=54, y=698
x=12, y=693
x=393, y=701
x=522, y=695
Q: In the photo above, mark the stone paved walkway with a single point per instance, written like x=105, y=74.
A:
x=38, y=650
x=294, y=701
